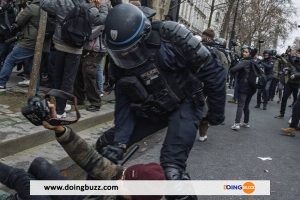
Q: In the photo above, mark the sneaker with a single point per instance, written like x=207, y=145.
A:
x=290, y=120
x=101, y=94
x=24, y=83
x=245, y=125
x=236, y=126
x=68, y=108
x=289, y=132
x=203, y=139
x=257, y=106
x=64, y=115
x=232, y=101
x=2, y=88
x=280, y=116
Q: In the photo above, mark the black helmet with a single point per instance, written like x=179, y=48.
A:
x=267, y=52
x=126, y=28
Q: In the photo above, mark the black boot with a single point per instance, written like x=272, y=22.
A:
x=107, y=138
x=174, y=172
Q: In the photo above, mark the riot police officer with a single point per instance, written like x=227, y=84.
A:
x=267, y=65
x=162, y=73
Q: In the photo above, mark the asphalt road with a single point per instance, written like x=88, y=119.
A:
x=232, y=155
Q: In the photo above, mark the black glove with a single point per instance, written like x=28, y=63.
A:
x=114, y=152
x=214, y=119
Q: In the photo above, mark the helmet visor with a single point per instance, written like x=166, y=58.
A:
x=130, y=57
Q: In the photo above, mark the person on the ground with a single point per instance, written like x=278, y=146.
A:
x=94, y=164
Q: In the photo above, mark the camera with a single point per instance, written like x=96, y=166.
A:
x=37, y=109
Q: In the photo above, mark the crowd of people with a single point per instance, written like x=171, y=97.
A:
x=163, y=75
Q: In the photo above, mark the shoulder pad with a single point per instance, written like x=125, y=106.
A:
x=184, y=42
x=174, y=32
x=148, y=12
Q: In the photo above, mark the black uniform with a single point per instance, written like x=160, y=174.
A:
x=292, y=85
x=162, y=75
x=263, y=94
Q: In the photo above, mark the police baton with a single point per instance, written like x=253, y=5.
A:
x=128, y=155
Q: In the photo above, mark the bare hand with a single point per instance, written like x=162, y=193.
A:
x=53, y=114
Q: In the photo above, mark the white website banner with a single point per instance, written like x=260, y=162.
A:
x=213, y=187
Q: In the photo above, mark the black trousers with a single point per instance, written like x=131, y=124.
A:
x=182, y=129
x=296, y=112
x=243, y=106
x=273, y=86
x=86, y=79
x=64, y=74
x=289, y=88
x=263, y=94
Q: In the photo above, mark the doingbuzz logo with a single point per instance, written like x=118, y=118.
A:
x=247, y=187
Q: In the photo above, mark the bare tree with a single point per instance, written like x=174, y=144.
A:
x=226, y=20
x=296, y=44
x=213, y=6
x=265, y=20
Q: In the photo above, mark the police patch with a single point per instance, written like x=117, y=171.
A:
x=113, y=34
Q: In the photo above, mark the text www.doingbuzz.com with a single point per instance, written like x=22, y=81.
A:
x=81, y=188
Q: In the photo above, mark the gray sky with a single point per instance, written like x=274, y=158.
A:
x=296, y=33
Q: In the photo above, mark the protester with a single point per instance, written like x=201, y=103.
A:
x=67, y=57
x=245, y=90
x=292, y=83
x=27, y=22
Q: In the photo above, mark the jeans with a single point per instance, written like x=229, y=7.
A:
x=18, y=54
x=64, y=74
x=243, y=106
x=100, y=78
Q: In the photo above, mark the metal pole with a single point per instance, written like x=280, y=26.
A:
x=32, y=90
x=232, y=36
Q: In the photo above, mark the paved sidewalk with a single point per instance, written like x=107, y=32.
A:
x=17, y=133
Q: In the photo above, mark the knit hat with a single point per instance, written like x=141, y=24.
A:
x=209, y=33
x=151, y=171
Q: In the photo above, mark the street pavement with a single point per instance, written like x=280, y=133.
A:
x=233, y=155
x=227, y=154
